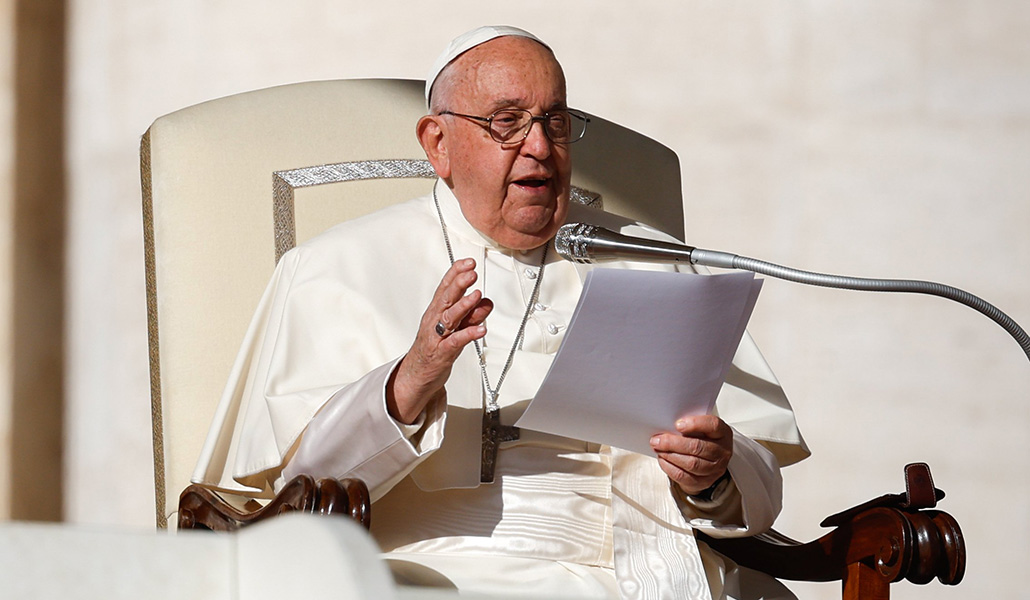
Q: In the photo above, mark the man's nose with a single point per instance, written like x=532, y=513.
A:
x=537, y=144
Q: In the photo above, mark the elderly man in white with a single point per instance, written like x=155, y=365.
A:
x=330, y=383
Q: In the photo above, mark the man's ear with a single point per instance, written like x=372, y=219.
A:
x=430, y=133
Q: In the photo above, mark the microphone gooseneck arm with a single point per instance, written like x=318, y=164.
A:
x=584, y=243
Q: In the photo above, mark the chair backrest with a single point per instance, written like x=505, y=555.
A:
x=230, y=184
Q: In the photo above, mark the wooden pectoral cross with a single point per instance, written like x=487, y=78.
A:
x=493, y=434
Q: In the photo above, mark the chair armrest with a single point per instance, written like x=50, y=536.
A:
x=874, y=544
x=898, y=545
x=203, y=508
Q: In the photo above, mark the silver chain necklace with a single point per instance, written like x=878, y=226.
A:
x=492, y=393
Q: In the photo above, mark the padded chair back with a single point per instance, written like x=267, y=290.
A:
x=230, y=184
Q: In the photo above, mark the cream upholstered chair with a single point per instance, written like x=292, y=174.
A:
x=216, y=219
x=231, y=184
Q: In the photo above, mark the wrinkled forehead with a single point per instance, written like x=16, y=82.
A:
x=507, y=72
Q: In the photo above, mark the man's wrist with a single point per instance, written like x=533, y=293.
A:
x=707, y=494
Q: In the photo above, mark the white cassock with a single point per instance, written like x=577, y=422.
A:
x=306, y=395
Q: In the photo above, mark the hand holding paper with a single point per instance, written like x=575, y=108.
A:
x=698, y=455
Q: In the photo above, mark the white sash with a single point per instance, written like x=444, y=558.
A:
x=656, y=555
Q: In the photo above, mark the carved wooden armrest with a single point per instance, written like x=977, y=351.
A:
x=884, y=540
x=202, y=508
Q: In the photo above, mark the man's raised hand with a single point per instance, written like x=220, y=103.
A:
x=453, y=319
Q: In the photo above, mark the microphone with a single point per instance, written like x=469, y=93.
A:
x=585, y=243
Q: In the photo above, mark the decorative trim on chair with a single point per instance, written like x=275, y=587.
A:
x=285, y=182
x=586, y=198
x=156, y=415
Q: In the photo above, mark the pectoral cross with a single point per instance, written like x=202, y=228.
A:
x=493, y=434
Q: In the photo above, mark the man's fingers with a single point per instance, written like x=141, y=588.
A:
x=693, y=460
x=452, y=316
x=470, y=311
x=691, y=464
x=480, y=312
x=459, y=339
x=691, y=473
x=463, y=265
x=454, y=284
x=709, y=426
x=699, y=466
x=691, y=446
x=687, y=481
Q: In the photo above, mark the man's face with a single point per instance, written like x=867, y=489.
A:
x=515, y=194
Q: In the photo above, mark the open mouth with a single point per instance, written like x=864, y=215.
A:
x=532, y=183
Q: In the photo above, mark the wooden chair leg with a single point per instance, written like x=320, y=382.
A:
x=863, y=582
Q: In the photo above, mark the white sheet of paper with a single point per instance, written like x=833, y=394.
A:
x=643, y=349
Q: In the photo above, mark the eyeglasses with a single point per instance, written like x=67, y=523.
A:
x=512, y=125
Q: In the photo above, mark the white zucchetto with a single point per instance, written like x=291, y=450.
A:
x=469, y=40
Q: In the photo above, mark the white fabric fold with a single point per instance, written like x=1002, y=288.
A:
x=389, y=455
x=656, y=556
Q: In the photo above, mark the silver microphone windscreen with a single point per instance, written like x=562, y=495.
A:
x=570, y=241
x=585, y=243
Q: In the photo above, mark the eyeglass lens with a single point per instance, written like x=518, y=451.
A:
x=560, y=127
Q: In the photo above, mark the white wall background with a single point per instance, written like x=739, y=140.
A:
x=867, y=138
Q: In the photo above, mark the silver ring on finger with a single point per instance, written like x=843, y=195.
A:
x=441, y=329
